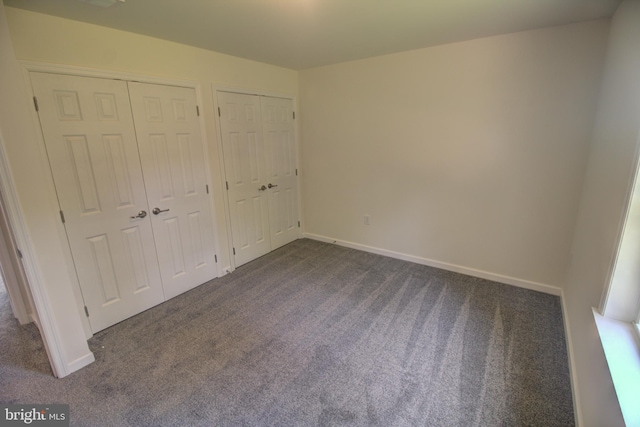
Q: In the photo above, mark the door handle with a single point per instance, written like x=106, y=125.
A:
x=156, y=211
x=263, y=188
x=271, y=185
x=141, y=214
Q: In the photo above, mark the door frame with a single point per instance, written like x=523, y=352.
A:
x=28, y=67
x=42, y=315
x=15, y=283
x=215, y=88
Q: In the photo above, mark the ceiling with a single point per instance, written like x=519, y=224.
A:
x=301, y=34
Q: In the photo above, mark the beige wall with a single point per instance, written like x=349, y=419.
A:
x=40, y=37
x=605, y=197
x=470, y=154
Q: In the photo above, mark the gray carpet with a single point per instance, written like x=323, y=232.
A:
x=316, y=334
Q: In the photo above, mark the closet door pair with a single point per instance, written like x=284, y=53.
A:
x=258, y=141
x=128, y=165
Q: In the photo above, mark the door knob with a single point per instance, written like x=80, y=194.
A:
x=156, y=211
x=271, y=185
x=263, y=188
x=141, y=214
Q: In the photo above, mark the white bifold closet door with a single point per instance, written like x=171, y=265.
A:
x=127, y=259
x=172, y=156
x=258, y=140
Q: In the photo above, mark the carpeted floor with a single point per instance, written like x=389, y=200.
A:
x=316, y=334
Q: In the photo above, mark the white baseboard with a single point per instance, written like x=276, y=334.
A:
x=540, y=287
x=35, y=321
x=577, y=412
x=80, y=362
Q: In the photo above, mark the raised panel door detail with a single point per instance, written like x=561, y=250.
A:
x=106, y=277
x=276, y=226
x=272, y=115
x=175, y=246
x=243, y=224
x=250, y=113
x=106, y=106
x=83, y=173
x=246, y=151
x=290, y=207
x=253, y=145
x=284, y=204
x=195, y=227
x=134, y=252
x=68, y=105
x=250, y=227
x=257, y=214
x=287, y=150
x=179, y=110
x=275, y=152
x=163, y=166
x=187, y=164
x=153, y=109
x=118, y=170
x=234, y=146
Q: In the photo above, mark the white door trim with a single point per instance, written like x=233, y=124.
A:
x=244, y=91
x=215, y=88
x=14, y=281
x=43, y=315
x=73, y=70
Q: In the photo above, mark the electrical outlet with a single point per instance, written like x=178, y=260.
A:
x=367, y=219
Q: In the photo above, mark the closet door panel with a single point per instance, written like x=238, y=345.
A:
x=280, y=149
x=91, y=145
x=247, y=175
x=173, y=163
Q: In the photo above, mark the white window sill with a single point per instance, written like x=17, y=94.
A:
x=622, y=350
